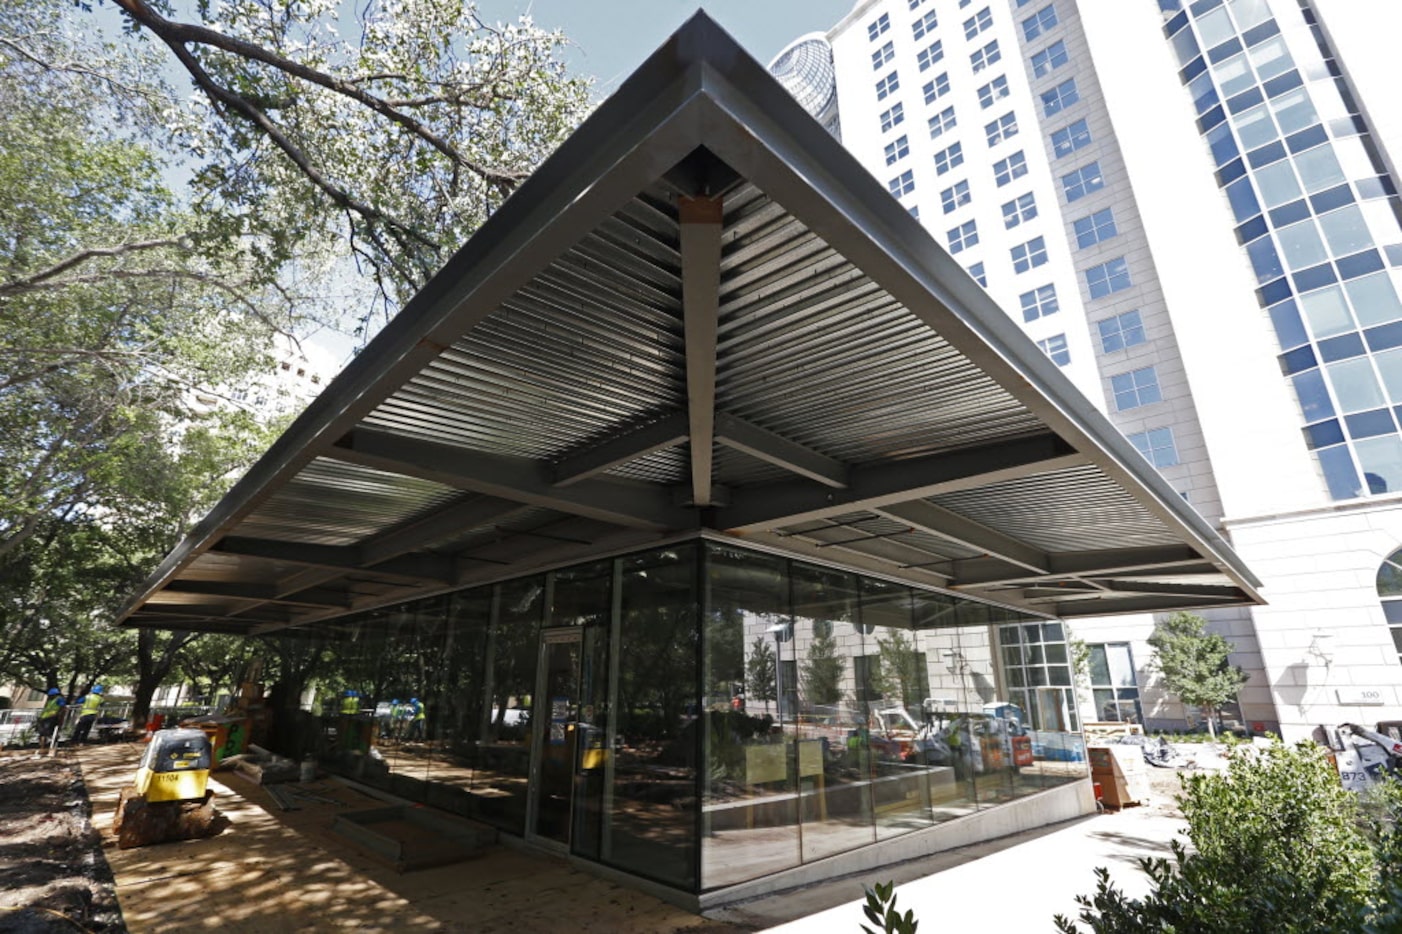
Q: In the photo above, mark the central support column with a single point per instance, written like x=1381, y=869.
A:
x=701, y=228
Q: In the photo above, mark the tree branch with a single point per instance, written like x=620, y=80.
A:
x=28, y=283
x=182, y=34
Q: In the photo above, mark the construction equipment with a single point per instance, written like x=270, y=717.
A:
x=1364, y=757
x=169, y=798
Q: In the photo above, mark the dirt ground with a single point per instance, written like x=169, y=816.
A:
x=55, y=876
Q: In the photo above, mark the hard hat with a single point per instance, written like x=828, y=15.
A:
x=97, y=689
x=413, y=700
x=348, y=693
x=395, y=701
x=53, y=692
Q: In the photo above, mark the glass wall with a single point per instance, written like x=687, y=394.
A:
x=699, y=714
x=844, y=710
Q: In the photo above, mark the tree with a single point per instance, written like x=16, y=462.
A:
x=1193, y=663
x=822, y=672
x=398, y=143
x=1278, y=845
x=761, y=682
x=903, y=668
x=113, y=328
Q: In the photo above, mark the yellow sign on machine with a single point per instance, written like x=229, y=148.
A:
x=175, y=767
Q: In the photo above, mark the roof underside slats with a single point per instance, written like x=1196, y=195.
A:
x=853, y=397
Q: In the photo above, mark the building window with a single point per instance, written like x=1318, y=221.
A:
x=1029, y=255
x=1121, y=331
x=1003, y=128
x=1060, y=97
x=1113, y=684
x=1070, y=138
x=976, y=270
x=955, y=196
x=924, y=24
x=963, y=237
x=929, y=55
x=914, y=211
x=942, y=121
x=878, y=26
x=1005, y=170
x=1055, y=348
x=993, y=91
x=1390, y=594
x=1135, y=388
x=915, y=4
x=1108, y=278
x=1156, y=445
x=936, y=89
x=1089, y=230
x=890, y=118
x=897, y=150
x=1038, y=669
x=1022, y=208
x=1039, y=303
x=883, y=55
x=1049, y=59
x=985, y=56
x=977, y=23
x=887, y=86
x=902, y=184
x=947, y=159
x=1039, y=22
x=1082, y=182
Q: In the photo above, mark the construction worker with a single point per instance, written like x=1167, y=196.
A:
x=91, y=706
x=50, y=715
x=350, y=704
x=396, y=714
x=416, y=719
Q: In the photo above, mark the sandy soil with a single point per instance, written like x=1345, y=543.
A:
x=51, y=861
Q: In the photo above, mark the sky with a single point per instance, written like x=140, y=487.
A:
x=612, y=37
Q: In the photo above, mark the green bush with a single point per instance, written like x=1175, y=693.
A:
x=1278, y=846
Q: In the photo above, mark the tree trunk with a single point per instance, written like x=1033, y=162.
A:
x=1211, y=726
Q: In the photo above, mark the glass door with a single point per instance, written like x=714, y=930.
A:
x=556, y=740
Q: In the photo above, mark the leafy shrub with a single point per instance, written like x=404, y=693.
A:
x=1279, y=846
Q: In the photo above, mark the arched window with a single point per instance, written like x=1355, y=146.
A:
x=1390, y=593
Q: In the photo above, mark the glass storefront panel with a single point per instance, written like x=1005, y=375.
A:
x=651, y=801
x=457, y=729
x=500, y=783
x=749, y=807
x=833, y=730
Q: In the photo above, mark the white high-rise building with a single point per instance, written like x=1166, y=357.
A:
x=1192, y=208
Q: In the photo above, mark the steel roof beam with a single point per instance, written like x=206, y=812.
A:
x=1176, y=559
x=1100, y=606
x=520, y=479
x=947, y=524
x=620, y=449
x=265, y=593
x=758, y=442
x=448, y=521
x=701, y=227
x=780, y=504
x=433, y=569
x=1150, y=588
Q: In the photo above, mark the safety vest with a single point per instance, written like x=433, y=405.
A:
x=418, y=711
x=91, y=705
x=349, y=705
x=51, y=708
x=394, y=711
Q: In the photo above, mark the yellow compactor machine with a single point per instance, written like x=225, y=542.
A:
x=169, y=798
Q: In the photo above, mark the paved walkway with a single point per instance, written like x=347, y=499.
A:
x=1018, y=887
